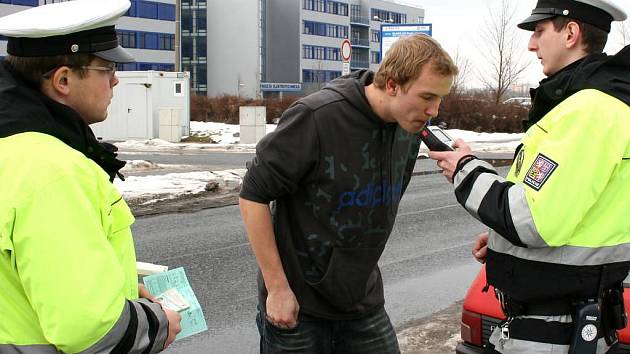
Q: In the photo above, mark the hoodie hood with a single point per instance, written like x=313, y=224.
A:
x=608, y=74
x=24, y=109
x=354, y=92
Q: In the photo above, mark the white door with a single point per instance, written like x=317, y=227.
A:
x=137, y=112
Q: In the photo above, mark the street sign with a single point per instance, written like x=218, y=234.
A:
x=345, y=68
x=346, y=50
x=390, y=33
x=280, y=87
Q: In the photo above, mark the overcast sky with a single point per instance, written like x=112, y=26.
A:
x=457, y=24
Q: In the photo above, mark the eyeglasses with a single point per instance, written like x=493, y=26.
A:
x=111, y=70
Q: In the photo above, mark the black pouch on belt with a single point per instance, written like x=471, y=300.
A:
x=614, y=315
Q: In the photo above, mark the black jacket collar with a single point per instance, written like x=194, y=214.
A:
x=609, y=74
x=24, y=109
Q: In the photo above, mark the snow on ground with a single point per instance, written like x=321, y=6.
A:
x=487, y=142
x=225, y=136
x=175, y=184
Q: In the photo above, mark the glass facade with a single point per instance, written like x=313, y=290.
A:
x=21, y=2
x=319, y=76
x=327, y=6
x=146, y=40
x=325, y=29
x=194, y=43
x=321, y=53
x=152, y=10
x=387, y=16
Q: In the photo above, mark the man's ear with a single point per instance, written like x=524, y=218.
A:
x=573, y=35
x=391, y=87
x=59, y=81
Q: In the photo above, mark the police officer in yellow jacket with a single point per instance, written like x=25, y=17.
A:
x=67, y=262
x=559, y=244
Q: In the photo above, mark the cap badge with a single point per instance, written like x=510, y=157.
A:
x=74, y=48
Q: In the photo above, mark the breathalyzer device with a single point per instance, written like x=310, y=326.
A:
x=436, y=139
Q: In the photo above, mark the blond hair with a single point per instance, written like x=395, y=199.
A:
x=406, y=58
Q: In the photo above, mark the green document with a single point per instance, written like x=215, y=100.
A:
x=193, y=321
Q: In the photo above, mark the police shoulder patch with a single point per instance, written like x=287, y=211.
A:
x=539, y=172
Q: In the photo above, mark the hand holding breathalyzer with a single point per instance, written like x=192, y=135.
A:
x=447, y=160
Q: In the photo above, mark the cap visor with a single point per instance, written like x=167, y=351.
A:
x=116, y=55
x=529, y=24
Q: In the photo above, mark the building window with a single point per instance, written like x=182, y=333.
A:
x=145, y=66
x=325, y=29
x=319, y=76
x=328, y=6
x=388, y=16
x=375, y=57
x=147, y=9
x=151, y=9
x=166, y=12
x=127, y=39
x=133, y=9
x=321, y=53
x=307, y=52
x=146, y=40
x=167, y=41
x=376, y=36
x=22, y=2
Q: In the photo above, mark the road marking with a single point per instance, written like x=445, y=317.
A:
x=426, y=210
x=204, y=252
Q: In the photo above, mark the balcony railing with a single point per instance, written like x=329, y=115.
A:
x=360, y=64
x=360, y=20
x=360, y=41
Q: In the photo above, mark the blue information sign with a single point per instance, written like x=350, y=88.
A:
x=390, y=33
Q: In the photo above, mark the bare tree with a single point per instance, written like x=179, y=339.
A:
x=464, y=66
x=501, y=50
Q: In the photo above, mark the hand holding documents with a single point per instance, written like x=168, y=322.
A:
x=173, y=300
x=175, y=290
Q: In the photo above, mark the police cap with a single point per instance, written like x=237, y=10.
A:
x=599, y=13
x=79, y=26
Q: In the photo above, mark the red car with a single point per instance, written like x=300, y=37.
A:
x=481, y=314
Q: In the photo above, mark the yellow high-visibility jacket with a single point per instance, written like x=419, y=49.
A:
x=67, y=260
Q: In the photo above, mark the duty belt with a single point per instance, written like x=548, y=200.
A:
x=553, y=307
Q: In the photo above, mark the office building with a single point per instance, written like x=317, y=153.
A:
x=194, y=43
x=147, y=31
x=255, y=45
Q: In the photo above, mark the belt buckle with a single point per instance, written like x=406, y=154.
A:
x=505, y=329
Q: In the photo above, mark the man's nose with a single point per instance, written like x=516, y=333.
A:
x=433, y=109
x=532, y=46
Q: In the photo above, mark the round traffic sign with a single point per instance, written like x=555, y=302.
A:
x=346, y=50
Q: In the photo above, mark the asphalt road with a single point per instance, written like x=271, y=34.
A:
x=426, y=266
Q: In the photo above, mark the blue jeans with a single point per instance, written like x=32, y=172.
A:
x=373, y=334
